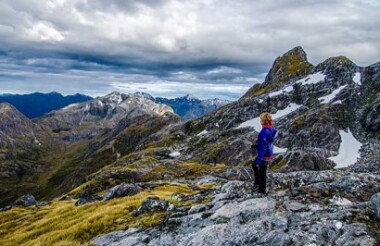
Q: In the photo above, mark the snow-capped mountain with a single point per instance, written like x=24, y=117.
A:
x=191, y=107
x=89, y=117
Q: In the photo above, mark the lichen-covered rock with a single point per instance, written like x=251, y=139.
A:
x=301, y=160
x=235, y=189
x=87, y=195
x=6, y=208
x=121, y=190
x=248, y=209
x=355, y=234
x=375, y=202
x=151, y=204
x=26, y=201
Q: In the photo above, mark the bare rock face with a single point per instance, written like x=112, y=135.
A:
x=151, y=204
x=15, y=128
x=122, y=190
x=375, y=202
x=301, y=160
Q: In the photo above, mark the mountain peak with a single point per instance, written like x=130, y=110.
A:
x=190, y=97
x=338, y=63
x=144, y=95
x=292, y=63
x=114, y=93
x=297, y=50
x=6, y=107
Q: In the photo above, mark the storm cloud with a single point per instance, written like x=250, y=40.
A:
x=208, y=48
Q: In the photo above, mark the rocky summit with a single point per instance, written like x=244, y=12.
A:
x=124, y=170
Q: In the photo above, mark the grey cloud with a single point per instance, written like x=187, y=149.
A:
x=202, y=42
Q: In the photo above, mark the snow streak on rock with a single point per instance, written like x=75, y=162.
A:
x=312, y=79
x=285, y=90
x=356, y=78
x=255, y=122
x=328, y=98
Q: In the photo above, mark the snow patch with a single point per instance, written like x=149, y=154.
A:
x=277, y=150
x=337, y=102
x=348, y=150
x=328, y=98
x=174, y=154
x=291, y=108
x=73, y=105
x=37, y=142
x=256, y=124
x=312, y=79
x=356, y=78
x=338, y=225
x=285, y=90
x=204, y=132
x=100, y=103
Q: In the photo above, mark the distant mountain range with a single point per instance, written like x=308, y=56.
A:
x=37, y=104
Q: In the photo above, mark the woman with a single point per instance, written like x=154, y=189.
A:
x=265, y=141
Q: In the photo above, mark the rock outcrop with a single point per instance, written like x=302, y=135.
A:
x=26, y=201
x=291, y=214
x=121, y=190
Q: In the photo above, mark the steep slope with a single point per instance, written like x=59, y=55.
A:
x=21, y=143
x=73, y=142
x=14, y=125
x=36, y=104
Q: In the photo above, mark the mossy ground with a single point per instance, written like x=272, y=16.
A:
x=61, y=223
x=278, y=165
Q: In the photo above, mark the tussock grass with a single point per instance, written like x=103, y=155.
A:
x=187, y=169
x=61, y=223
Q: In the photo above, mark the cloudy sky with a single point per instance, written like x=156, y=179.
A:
x=208, y=48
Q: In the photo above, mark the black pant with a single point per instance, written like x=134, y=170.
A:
x=260, y=172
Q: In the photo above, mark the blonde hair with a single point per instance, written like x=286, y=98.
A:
x=266, y=119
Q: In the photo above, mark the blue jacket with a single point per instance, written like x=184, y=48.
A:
x=265, y=144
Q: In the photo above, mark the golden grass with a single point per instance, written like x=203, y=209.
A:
x=187, y=169
x=61, y=223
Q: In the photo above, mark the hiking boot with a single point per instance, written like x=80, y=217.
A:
x=255, y=189
x=263, y=192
